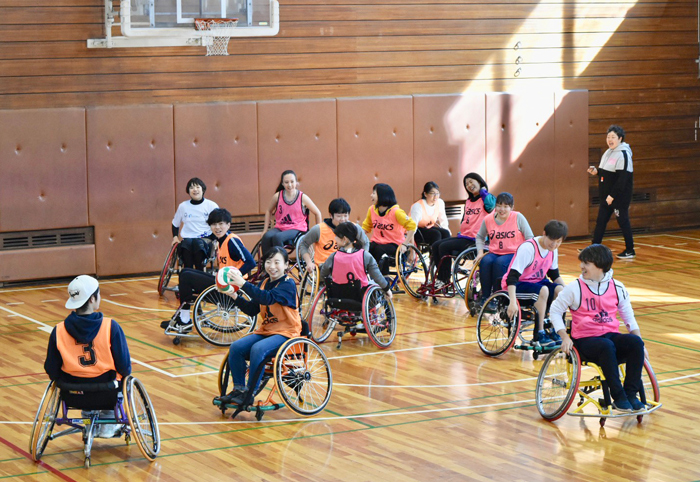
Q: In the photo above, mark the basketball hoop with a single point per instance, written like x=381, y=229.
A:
x=216, y=33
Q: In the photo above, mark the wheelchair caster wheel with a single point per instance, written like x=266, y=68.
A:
x=535, y=355
x=127, y=439
x=87, y=462
x=602, y=422
x=176, y=340
x=435, y=300
x=639, y=418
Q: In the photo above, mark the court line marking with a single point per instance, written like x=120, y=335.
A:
x=669, y=235
x=133, y=307
x=401, y=349
x=660, y=246
x=48, y=467
x=130, y=280
x=435, y=386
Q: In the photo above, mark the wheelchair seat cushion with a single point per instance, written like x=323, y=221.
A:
x=90, y=396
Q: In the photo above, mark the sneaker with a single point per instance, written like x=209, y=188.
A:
x=637, y=406
x=439, y=285
x=623, y=406
x=183, y=326
x=165, y=324
x=544, y=339
x=555, y=337
x=627, y=254
x=236, y=397
x=108, y=430
x=617, y=213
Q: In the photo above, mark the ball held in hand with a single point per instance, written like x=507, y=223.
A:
x=224, y=277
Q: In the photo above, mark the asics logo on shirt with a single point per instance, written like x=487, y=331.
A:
x=388, y=227
x=502, y=235
x=330, y=245
x=471, y=211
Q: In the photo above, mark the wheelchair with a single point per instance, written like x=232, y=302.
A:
x=559, y=382
x=461, y=270
x=337, y=304
x=133, y=412
x=496, y=333
x=173, y=265
x=301, y=375
x=296, y=264
x=472, y=288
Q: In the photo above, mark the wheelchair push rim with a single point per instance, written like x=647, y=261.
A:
x=495, y=332
x=44, y=421
x=462, y=270
x=308, y=288
x=320, y=324
x=558, y=383
x=412, y=270
x=142, y=417
x=168, y=269
x=379, y=317
x=303, y=376
x=218, y=320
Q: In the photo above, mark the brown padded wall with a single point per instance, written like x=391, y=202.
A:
x=45, y=263
x=520, y=152
x=301, y=136
x=42, y=162
x=218, y=144
x=375, y=144
x=131, y=186
x=571, y=160
x=449, y=141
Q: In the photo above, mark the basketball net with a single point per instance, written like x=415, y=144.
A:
x=216, y=34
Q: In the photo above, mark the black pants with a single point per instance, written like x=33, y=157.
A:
x=193, y=282
x=379, y=250
x=623, y=220
x=275, y=237
x=194, y=252
x=451, y=246
x=608, y=351
x=432, y=235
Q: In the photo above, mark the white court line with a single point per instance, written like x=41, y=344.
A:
x=678, y=378
x=48, y=301
x=151, y=367
x=660, y=246
x=150, y=292
x=383, y=352
x=119, y=294
x=669, y=235
x=130, y=280
x=15, y=303
x=436, y=386
x=134, y=307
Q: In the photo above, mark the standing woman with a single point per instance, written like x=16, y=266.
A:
x=429, y=213
x=615, y=181
x=388, y=223
x=478, y=205
x=291, y=209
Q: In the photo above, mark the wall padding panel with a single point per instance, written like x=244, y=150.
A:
x=571, y=160
x=375, y=144
x=218, y=144
x=131, y=186
x=46, y=263
x=301, y=136
x=520, y=152
x=449, y=141
x=42, y=161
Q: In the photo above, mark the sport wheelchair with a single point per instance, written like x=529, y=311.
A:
x=337, y=304
x=423, y=285
x=496, y=332
x=559, y=382
x=133, y=412
x=173, y=265
x=302, y=379
x=472, y=289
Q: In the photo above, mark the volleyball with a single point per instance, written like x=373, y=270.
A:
x=223, y=277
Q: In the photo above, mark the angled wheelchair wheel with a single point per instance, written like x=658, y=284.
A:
x=557, y=383
x=412, y=270
x=379, y=317
x=218, y=320
x=142, y=417
x=303, y=376
x=308, y=288
x=495, y=331
x=462, y=269
x=169, y=267
x=44, y=421
x=320, y=325
x=225, y=380
x=472, y=290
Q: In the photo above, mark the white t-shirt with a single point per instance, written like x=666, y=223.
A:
x=194, y=218
x=417, y=213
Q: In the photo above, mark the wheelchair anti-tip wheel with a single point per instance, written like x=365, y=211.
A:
x=218, y=320
x=462, y=269
x=412, y=270
x=379, y=317
x=169, y=267
x=303, y=376
x=142, y=417
x=308, y=288
x=44, y=421
x=320, y=325
x=557, y=383
x=495, y=331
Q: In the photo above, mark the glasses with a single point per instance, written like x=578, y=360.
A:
x=434, y=193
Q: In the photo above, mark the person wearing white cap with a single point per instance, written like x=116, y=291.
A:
x=87, y=347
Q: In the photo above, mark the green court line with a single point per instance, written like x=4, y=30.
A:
x=176, y=355
x=354, y=420
x=24, y=475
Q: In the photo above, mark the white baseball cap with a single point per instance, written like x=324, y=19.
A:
x=80, y=290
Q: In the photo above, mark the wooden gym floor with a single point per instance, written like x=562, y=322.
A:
x=430, y=407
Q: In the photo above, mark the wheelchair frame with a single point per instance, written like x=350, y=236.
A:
x=472, y=291
x=559, y=380
x=375, y=309
x=133, y=412
x=300, y=371
x=459, y=277
x=173, y=265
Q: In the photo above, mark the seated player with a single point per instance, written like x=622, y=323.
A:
x=430, y=216
x=594, y=301
x=275, y=300
x=389, y=225
x=506, y=230
x=321, y=237
x=231, y=253
x=352, y=262
x=526, y=277
x=291, y=209
x=87, y=347
x=190, y=226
